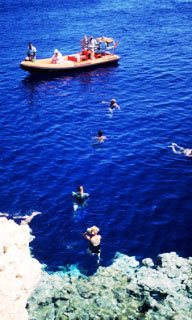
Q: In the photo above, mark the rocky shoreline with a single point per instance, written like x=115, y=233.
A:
x=124, y=290
x=19, y=272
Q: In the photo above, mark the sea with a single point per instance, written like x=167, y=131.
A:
x=140, y=191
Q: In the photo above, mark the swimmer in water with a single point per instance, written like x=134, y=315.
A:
x=79, y=198
x=180, y=150
x=94, y=241
x=27, y=218
x=24, y=219
x=100, y=137
x=112, y=105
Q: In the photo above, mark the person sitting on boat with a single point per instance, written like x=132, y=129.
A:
x=84, y=43
x=57, y=57
x=180, y=150
x=31, y=53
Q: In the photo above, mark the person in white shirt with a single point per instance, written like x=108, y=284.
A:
x=92, y=45
x=31, y=53
x=57, y=57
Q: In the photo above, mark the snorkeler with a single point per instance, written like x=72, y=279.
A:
x=79, y=198
x=100, y=137
x=180, y=150
x=112, y=105
x=94, y=241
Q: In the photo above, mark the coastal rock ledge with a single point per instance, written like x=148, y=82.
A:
x=19, y=272
x=125, y=290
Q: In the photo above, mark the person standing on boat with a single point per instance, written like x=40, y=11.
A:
x=84, y=43
x=94, y=241
x=31, y=53
x=92, y=45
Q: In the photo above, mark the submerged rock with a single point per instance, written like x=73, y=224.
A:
x=124, y=290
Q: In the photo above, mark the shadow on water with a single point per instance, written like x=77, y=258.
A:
x=81, y=75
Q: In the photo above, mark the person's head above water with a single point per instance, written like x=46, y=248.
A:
x=113, y=101
x=30, y=45
x=80, y=189
x=93, y=230
x=100, y=133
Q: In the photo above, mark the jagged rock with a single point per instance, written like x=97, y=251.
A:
x=19, y=272
x=148, y=262
x=124, y=290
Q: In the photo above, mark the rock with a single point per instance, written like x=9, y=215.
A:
x=19, y=272
x=124, y=290
x=148, y=262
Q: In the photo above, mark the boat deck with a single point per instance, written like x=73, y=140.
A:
x=70, y=63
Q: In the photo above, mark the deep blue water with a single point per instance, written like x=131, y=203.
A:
x=140, y=192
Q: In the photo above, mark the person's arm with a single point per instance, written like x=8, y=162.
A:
x=27, y=219
x=85, y=195
x=105, y=102
x=86, y=236
x=21, y=217
x=179, y=150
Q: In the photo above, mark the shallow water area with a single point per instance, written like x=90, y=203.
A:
x=139, y=190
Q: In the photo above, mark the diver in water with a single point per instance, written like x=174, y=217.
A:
x=180, y=150
x=79, y=198
x=94, y=241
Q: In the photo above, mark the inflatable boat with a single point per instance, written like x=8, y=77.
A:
x=86, y=59
x=70, y=63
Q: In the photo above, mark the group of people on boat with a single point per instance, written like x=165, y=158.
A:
x=96, y=46
x=57, y=57
x=90, y=48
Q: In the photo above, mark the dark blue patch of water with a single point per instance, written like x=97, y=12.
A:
x=139, y=190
